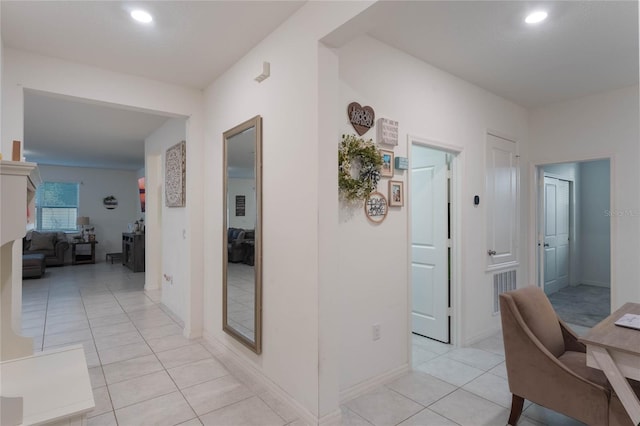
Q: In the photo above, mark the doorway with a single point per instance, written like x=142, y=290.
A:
x=574, y=239
x=430, y=242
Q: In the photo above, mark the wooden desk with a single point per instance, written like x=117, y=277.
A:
x=616, y=351
x=79, y=259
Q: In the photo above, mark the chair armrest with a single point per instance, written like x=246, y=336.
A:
x=571, y=342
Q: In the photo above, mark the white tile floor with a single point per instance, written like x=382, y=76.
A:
x=143, y=371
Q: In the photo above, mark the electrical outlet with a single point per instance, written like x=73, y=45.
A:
x=376, y=331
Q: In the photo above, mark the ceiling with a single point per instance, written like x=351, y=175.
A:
x=584, y=47
x=189, y=43
x=71, y=132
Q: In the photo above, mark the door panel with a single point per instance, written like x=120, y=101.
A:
x=556, y=234
x=502, y=200
x=429, y=251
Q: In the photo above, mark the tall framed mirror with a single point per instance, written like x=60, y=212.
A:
x=242, y=241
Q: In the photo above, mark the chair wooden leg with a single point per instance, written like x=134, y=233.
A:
x=517, y=402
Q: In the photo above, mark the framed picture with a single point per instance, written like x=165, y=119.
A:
x=396, y=193
x=387, y=163
x=376, y=207
x=240, y=205
x=175, y=175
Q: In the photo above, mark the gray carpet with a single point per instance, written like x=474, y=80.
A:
x=584, y=305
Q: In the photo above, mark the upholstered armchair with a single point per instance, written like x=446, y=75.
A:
x=546, y=364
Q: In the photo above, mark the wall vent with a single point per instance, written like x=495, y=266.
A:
x=502, y=281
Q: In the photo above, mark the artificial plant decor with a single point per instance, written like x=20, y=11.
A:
x=355, y=151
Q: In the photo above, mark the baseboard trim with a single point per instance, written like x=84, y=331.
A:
x=372, y=383
x=303, y=413
x=481, y=336
x=331, y=419
x=595, y=283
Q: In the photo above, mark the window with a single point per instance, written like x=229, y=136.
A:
x=57, y=206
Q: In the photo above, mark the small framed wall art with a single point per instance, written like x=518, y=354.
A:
x=396, y=193
x=387, y=163
x=376, y=207
x=175, y=175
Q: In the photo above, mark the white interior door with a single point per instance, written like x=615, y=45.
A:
x=502, y=202
x=429, y=251
x=556, y=234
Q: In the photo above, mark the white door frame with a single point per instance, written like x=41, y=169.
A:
x=457, y=165
x=535, y=215
x=153, y=222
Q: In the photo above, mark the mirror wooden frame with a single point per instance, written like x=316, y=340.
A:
x=256, y=345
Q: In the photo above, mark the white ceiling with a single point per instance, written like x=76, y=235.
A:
x=70, y=132
x=584, y=47
x=189, y=43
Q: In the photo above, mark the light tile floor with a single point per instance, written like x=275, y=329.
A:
x=144, y=372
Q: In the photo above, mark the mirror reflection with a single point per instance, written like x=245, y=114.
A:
x=242, y=222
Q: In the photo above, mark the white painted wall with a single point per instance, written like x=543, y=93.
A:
x=294, y=159
x=373, y=265
x=24, y=70
x=173, y=221
x=595, y=225
x=95, y=184
x=246, y=187
x=594, y=127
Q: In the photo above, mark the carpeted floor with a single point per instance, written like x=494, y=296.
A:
x=584, y=305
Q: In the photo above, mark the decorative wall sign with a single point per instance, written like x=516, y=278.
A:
x=110, y=202
x=396, y=193
x=402, y=163
x=376, y=207
x=387, y=131
x=240, y=205
x=387, y=163
x=175, y=175
x=361, y=117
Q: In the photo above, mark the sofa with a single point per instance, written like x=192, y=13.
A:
x=52, y=245
x=235, y=239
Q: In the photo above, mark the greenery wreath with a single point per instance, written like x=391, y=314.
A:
x=356, y=151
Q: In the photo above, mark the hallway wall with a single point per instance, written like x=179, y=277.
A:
x=172, y=235
x=298, y=356
x=373, y=266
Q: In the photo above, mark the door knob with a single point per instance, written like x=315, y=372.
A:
x=546, y=244
x=492, y=252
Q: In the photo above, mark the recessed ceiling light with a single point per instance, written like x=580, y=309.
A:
x=141, y=16
x=536, y=17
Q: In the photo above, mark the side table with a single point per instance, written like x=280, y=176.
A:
x=79, y=259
